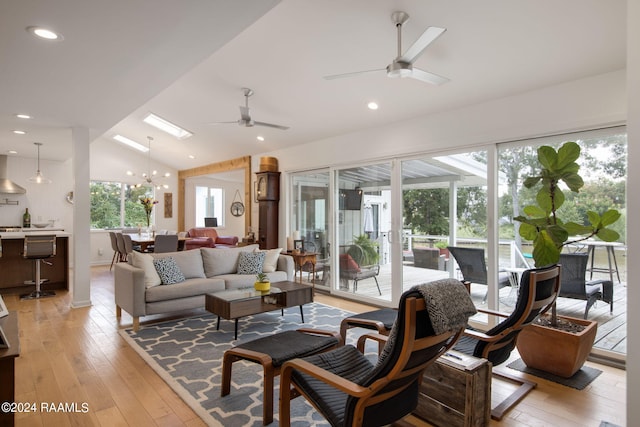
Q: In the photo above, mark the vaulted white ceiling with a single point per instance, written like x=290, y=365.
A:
x=188, y=62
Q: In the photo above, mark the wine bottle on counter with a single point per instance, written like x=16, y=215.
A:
x=26, y=219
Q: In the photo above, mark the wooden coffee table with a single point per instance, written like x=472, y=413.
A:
x=236, y=303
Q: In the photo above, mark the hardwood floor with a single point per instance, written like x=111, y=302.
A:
x=76, y=356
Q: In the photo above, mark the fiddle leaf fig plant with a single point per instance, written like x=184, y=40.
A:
x=541, y=223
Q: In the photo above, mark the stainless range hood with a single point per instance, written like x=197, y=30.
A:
x=6, y=185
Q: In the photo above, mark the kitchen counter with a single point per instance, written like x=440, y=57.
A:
x=15, y=270
x=59, y=232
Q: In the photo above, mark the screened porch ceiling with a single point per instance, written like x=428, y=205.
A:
x=435, y=172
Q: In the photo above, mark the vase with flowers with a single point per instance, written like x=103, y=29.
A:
x=148, y=203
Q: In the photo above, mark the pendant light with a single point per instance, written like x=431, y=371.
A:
x=38, y=178
x=149, y=175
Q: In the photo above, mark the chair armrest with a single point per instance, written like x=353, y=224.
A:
x=323, y=332
x=381, y=339
x=227, y=240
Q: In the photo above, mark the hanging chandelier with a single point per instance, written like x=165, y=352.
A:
x=150, y=177
x=38, y=178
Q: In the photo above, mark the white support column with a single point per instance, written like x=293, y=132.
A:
x=81, y=277
x=453, y=223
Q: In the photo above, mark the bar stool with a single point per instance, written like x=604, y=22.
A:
x=38, y=248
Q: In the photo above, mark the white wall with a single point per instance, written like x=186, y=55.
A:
x=233, y=226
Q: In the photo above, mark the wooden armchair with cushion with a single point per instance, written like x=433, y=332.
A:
x=207, y=237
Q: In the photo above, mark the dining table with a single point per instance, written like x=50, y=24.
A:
x=144, y=240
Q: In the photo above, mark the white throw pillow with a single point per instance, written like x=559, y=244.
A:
x=270, y=259
x=145, y=262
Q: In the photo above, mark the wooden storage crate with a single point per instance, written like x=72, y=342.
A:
x=456, y=391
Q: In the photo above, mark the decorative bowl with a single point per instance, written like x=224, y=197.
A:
x=40, y=224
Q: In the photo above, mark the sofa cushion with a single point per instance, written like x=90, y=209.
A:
x=145, y=262
x=189, y=262
x=222, y=261
x=250, y=262
x=186, y=289
x=270, y=259
x=347, y=263
x=168, y=271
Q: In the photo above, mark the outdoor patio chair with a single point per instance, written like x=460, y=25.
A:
x=348, y=390
x=351, y=270
x=474, y=268
x=574, y=282
x=539, y=289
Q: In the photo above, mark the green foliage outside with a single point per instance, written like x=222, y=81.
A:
x=105, y=205
x=364, y=251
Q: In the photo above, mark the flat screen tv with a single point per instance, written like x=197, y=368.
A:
x=350, y=200
x=211, y=222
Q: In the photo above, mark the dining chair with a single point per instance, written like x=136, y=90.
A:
x=114, y=245
x=122, y=251
x=165, y=243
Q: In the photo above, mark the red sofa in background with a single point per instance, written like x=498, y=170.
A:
x=206, y=237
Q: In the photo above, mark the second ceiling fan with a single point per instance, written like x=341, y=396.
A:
x=402, y=65
x=245, y=118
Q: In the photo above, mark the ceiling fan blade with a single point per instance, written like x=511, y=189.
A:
x=244, y=113
x=271, y=125
x=427, y=77
x=355, y=73
x=223, y=123
x=429, y=35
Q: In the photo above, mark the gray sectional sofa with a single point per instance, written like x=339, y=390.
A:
x=139, y=292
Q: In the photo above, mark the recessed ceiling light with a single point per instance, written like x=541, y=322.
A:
x=12, y=152
x=131, y=143
x=44, y=33
x=191, y=156
x=23, y=116
x=19, y=132
x=372, y=105
x=167, y=126
x=260, y=138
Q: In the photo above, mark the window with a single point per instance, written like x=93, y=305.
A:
x=209, y=203
x=115, y=204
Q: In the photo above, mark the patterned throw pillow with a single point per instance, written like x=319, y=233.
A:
x=168, y=271
x=250, y=262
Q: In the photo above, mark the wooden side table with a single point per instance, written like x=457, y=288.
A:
x=8, y=356
x=303, y=258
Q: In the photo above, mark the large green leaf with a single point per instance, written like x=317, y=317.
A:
x=544, y=199
x=528, y=231
x=575, y=229
x=573, y=181
x=608, y=235
x=558, y=234
x=545, y=251
x=534, y=211
x=594, y=218
x=609, y=217
x=547, y=157
x=568, y=153
x=531, y=181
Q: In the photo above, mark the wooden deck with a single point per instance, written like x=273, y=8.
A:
x=612, y=328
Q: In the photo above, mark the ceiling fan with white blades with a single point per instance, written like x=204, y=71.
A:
x=402, y=65
x=245, y=118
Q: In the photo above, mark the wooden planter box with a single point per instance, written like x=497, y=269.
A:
x=557, y=352
x=456, y=394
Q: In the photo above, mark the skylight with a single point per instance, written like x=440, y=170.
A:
x=167, y=126
x=131, y=143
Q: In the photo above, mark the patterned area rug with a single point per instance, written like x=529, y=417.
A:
x=187, y=354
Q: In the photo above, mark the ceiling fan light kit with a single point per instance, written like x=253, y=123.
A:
x=402, y=65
